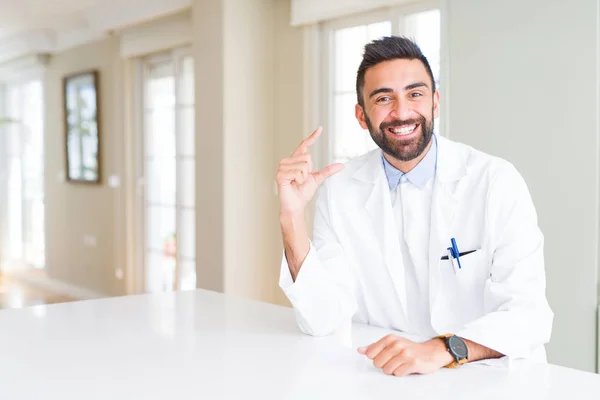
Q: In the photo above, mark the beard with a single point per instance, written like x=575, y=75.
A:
x=397, y=147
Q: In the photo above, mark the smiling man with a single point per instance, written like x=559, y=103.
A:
x=423, y=235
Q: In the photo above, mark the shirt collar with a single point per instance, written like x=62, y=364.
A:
x=419, y=175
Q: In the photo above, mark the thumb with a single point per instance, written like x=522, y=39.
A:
x=327, y=172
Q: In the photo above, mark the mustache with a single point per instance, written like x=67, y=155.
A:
x=398, y=122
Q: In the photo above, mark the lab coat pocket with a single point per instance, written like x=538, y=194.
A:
x=471, y=280
x=474, y=268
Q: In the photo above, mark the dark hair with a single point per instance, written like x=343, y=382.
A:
x=386, y=49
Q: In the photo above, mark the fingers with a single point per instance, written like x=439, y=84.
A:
x=286, y=177
x=396, y=359
x=302, y=160
x=389, y=352
x=294, y=169
x=305, y=158
x=374, y=349
x=395, y=363
x=401, y=366
x=401, y=361
x=291, y=166
x=301, y=166
x=306, y=143
x=326, y=172
x=405, y=369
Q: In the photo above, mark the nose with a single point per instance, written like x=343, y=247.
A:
x=401, y=110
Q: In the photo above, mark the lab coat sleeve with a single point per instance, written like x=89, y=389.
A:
x=518, y=319
x=323, y=294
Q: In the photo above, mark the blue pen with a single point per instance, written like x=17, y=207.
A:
x=456, y=252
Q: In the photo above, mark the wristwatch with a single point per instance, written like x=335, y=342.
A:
x=457, y=348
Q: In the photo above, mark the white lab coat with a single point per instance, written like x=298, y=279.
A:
x=498, y=297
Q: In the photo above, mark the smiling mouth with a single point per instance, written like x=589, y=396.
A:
x=404, y=130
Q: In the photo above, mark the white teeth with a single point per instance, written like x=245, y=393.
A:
x=405, y=130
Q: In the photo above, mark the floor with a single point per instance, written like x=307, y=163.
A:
x=15, y=294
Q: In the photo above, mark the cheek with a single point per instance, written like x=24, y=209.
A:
x=427, y=109
x=424, y=110
x=379, y=115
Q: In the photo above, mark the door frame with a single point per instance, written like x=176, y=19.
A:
x=140, y=73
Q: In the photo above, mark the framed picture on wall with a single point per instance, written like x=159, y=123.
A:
x=82, y=128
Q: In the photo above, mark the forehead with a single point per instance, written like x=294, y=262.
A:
x=395, y=74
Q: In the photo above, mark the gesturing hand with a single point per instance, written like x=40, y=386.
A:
x=296, y=182
x=398, y=356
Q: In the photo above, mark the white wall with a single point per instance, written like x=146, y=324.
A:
x=523, y=82
x=290, y=108
x=237, y=230
x=250, y=203
x=208, y=27
x=157, y=35
x=76, y=210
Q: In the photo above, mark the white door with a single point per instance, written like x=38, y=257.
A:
x=22, y=173
x=168, y=256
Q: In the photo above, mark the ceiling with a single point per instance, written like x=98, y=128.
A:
x=46, y=26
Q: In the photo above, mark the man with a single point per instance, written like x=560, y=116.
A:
x=424, y=235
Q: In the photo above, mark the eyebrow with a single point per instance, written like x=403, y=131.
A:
x=406, y=88
x=380, y=90
x=416, y=85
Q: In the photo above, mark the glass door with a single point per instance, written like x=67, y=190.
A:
x=169, y=256
x=23, y=173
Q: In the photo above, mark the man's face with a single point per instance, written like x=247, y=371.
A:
x=399, y=107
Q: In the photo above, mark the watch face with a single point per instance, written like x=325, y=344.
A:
x=458, y=347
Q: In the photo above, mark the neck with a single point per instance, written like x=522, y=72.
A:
x=407, y=166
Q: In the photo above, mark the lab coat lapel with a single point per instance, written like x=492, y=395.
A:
x=450, y=169
x=443, y=209
x=379, y=208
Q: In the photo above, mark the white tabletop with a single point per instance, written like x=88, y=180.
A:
x=201, y=344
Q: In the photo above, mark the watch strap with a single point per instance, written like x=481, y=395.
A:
x=453, y=364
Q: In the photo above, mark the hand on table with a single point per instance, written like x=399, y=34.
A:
x=398, y=356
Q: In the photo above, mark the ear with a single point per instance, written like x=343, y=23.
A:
x=359, y=112
x=436, y=104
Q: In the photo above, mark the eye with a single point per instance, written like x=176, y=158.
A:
x=383, y=99
x=415, y=95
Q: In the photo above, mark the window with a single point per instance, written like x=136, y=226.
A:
x=345, y=41
x=168, y=165
x=23, y=173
